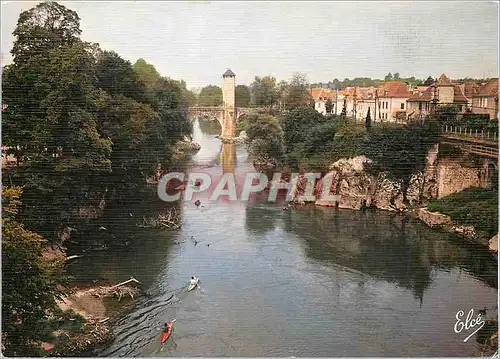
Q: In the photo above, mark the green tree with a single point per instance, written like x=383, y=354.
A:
x=42, y=28
x=210, y=95
x=282, y=93
x=429, y=81
x=329, y=106
x=401, y=151
x=146, y=72
x=296, y=123
x=51, y=119
x=264, y=91
x=298, y=92
x=446, y=113
x=388, y=77
x=264, y=137
x=30, y=282
x=242, y=96
x=368, y=121
x=117, y=76
x=396, y=76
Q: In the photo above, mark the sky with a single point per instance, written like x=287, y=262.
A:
x=198, y=40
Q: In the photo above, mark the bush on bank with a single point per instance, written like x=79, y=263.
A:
x=476, y=207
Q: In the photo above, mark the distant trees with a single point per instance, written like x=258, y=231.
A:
x=368, y=82
x=210, y=95
x=264, y=137
x=298, y=92
x=429, y=81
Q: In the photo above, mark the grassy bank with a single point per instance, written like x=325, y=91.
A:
x=472, y=207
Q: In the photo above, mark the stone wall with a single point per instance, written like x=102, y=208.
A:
x=453, y=177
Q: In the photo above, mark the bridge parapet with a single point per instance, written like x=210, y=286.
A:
x=467, y=134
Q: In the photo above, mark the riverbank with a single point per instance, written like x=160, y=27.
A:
x=472, y=213
x=86, y=314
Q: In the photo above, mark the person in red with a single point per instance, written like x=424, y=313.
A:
x=167, y=330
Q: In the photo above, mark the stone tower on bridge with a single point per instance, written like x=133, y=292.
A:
x=229, y=105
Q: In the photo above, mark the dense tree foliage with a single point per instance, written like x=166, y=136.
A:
x=146, y=72
x=298, y=93
x=242, y=96
x=30, y=282
x=265, y=137
x=264, y=91
x=81, y=120
x=210, y=95
x=87, y=129
x=312, y=141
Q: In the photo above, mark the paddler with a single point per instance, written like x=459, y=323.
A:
x=192, y=281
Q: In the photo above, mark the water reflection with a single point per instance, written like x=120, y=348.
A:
x=228, y=157
x=208, y=127
x=307, y=282
x=385, y=246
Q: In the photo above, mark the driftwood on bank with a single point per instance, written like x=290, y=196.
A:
x=117, y=290
x=73, y=257
x=170, y=220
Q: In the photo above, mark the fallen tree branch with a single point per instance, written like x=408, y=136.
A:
x=73, y=257
x=132, y=279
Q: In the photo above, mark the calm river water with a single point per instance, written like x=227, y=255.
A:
x=307, y=282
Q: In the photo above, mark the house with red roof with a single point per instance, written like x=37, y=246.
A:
x=441, y=92
x=485, y=100
x=321, y=96
x=391, y=101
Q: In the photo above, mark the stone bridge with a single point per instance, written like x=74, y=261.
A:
x=215, y=113
x=228, y=113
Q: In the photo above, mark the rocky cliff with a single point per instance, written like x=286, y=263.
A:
x=357, y=188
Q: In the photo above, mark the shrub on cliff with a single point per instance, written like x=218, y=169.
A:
x=476, y=207
x=400, y=151
x=30, y=282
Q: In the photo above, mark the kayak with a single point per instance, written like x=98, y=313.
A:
x=166, y=335
x=193, y=285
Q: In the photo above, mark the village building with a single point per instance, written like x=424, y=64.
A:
x=441, y=92
x=485, y=100
x=391, y=101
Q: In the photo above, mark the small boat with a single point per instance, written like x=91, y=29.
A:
x=166, y=333
x=193, y=285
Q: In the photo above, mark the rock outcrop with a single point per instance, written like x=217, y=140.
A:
x=356, y=188
x=493, y=244
x=433, y=219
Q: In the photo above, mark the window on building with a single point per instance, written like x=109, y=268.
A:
x=484, y=102
x=387, y=105
x=403, y=106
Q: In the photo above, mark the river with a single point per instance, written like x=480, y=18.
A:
x=306, y=282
